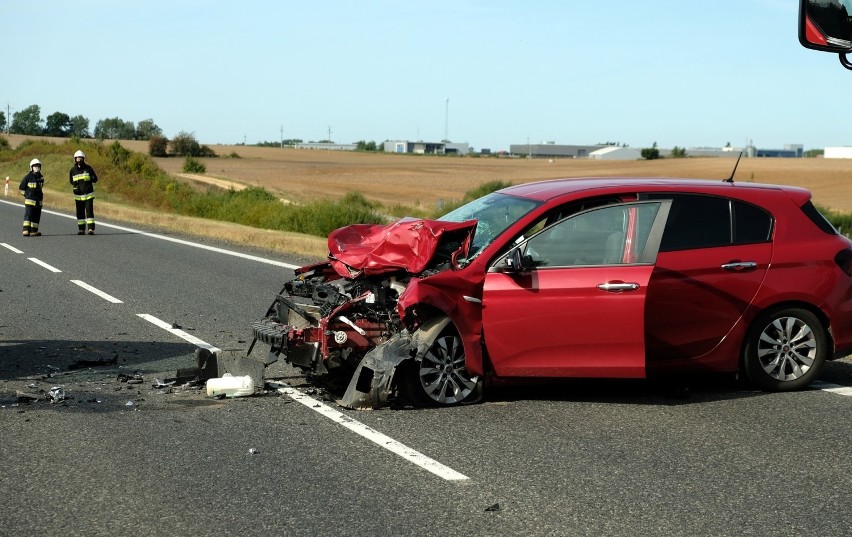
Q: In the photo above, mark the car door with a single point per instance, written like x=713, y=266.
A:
x=575, y=308
x=713, y=258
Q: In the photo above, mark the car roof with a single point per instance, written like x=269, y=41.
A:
x=546, y=190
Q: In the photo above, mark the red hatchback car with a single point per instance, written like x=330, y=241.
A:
x=592, y=277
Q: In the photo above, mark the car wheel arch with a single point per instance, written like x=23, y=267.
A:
x=788, y=304
x=754, y=336
x=424, y=341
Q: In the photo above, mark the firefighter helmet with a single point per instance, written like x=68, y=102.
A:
x=79, y=153
x=35, y=162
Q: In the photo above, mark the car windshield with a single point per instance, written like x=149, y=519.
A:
x=494, y=213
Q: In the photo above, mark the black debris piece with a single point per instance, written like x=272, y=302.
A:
x=80, y=364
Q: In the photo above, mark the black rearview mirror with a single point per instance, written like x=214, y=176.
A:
x=826, y=25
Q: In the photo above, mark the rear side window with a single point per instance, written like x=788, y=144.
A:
x=699, y=221
x=817, y=218
x=751, y=224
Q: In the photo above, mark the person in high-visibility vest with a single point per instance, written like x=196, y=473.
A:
x=31, y=189
x=82, y=177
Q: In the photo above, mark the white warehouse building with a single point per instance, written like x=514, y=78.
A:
x=837, y=152
x=616, y=153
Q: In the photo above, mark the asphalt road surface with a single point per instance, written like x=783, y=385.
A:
x=575, y=458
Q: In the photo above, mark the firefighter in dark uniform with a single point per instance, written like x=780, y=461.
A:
x=31, y=189
x=82, y=177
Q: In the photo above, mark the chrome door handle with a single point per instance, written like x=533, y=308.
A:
x=613, y=287
x=739, y=266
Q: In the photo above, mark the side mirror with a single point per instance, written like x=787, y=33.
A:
x=825, y=25
x=517, y=262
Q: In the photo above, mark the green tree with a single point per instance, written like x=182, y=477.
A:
x=146, y=129
x=114, y=129
x=58, y=124
x=361, y=145
x=678, y=152
x=158, y=146
x=651, y=153
x=79, y=127
x=27, y=121
x=185, y=144
x=2, y=122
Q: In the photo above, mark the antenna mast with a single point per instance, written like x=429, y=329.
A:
x=737, y=163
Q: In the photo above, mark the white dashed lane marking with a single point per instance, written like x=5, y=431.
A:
x=178, y=332
x=43, y=264
x=98, y=292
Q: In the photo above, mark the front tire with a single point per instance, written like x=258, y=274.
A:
x=785, y=350
x=440, y=377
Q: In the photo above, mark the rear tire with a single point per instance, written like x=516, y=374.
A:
x=439, y=377
x=785, y=350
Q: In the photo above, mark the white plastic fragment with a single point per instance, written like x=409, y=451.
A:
x=230, y=386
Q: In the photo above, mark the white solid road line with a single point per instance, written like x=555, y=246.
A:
x=178, y=241
x=374, y=436
x=98, y=292
x=832, y=388
x=369, y=433
x=178, y=332
x=43, y=264
x=10, y=247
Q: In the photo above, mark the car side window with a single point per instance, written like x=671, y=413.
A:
x=751, y=224
x=701, y=221
x=595, y=237
x=696, y=222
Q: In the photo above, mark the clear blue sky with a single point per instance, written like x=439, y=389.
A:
x=488, y=72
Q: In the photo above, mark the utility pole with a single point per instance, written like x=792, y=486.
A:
x=329, y=133
x=282, y=136
x=447, y=120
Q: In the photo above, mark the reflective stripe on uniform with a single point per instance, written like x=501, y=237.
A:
x=81, y=177
x=84, y=197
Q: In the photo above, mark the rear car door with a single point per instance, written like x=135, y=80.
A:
x=579, y=310
x=714, y=255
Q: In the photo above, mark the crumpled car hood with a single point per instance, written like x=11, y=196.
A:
x=408, y=243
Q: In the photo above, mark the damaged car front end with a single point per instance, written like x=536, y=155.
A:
x=370, y=311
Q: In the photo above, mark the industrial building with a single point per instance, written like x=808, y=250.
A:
x=553, y=150
x=837, y=152
x=603, y=152
x=426, y=148
x=615, y=152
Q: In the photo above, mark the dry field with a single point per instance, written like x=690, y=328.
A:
x=416, y=180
